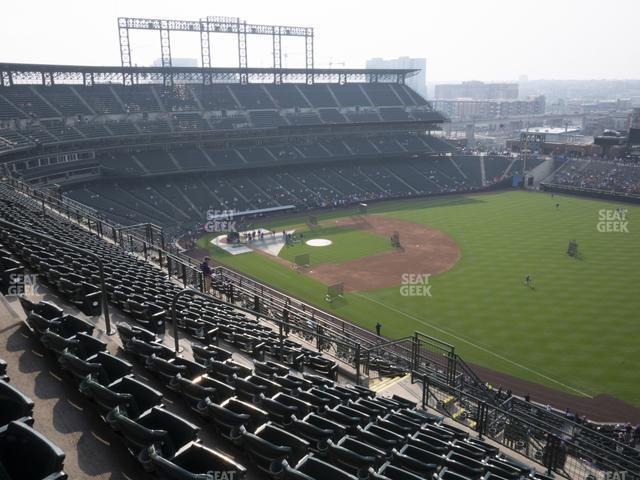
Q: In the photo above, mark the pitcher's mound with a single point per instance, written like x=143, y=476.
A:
x=424, y=250
x=318, y=242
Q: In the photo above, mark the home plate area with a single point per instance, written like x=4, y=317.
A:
x=261, y=239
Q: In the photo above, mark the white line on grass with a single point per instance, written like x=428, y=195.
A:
x=479, y=347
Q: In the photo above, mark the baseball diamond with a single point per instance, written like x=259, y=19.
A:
x=478, y=250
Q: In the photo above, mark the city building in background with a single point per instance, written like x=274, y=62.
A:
x=477, y=91
x=417, y=82
x=634, y=133
x=565, y=141
x=634, y=119
x=469, y=109
x=597, y=124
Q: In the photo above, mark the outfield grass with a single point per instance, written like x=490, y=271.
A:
x=348, y=244
x=576, y=331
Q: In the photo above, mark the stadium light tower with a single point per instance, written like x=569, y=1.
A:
x=210, y=25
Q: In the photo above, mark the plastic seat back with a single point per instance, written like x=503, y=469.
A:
x=20, y=445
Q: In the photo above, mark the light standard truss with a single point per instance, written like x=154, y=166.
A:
x=213, y=25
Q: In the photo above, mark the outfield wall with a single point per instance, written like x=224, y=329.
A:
x=593, y=193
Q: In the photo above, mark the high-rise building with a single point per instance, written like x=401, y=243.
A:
x=634, y=118
x=417, y=82
x=634, y=133
x=469, y=109
x=477, y=91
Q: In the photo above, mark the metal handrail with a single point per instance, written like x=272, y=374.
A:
x=527, y=420
x=282, y=325
x=577, y=426
x=309, y=309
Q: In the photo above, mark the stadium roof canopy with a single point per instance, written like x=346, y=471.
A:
x=44, y=74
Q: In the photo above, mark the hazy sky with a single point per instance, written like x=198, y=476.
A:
x=461, y=39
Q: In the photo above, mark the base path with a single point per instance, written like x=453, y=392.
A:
x=423, y=250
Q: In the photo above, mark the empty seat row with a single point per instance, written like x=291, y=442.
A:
x=11, y=274
x=25, y=454
x=61, y=268
x=305, y=426
x=162, y=441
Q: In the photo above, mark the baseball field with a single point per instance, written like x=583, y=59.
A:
x=460, y=275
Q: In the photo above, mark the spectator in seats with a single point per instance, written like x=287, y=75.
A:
x=205, y=268
x=285, y=319
x=321, y=341
x=311, y=325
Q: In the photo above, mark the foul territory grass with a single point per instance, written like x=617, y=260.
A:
x=347, y=244
x=576, y=329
